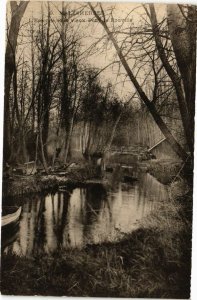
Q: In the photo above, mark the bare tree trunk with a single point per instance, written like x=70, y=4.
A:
x=23, y=146
x=55, y=148
x=17, y=11
x=33, y=76
x=46, y=83
x=107, y=148
x=182, y=31
x=68, y=141
x=36, y=153
x=44, y=162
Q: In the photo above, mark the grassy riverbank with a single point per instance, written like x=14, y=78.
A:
x=153, y=261
x=20, y=185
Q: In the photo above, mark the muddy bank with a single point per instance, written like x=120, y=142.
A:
x=153, y=261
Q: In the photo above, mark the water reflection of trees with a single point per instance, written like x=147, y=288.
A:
x=86, y=215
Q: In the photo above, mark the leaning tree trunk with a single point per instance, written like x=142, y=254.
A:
x=185, y=109
x=149, y=104
x=17, y=12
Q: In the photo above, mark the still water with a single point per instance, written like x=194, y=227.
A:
x=89, y=215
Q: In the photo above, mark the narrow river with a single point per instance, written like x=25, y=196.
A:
x=81, y=216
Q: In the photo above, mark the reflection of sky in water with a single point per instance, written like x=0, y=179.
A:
x=88, y=215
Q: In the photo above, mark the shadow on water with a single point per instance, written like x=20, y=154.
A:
x=81, y=216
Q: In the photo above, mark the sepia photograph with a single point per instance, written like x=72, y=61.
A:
x=98, y=149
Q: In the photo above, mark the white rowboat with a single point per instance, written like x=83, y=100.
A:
x=11, y=217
